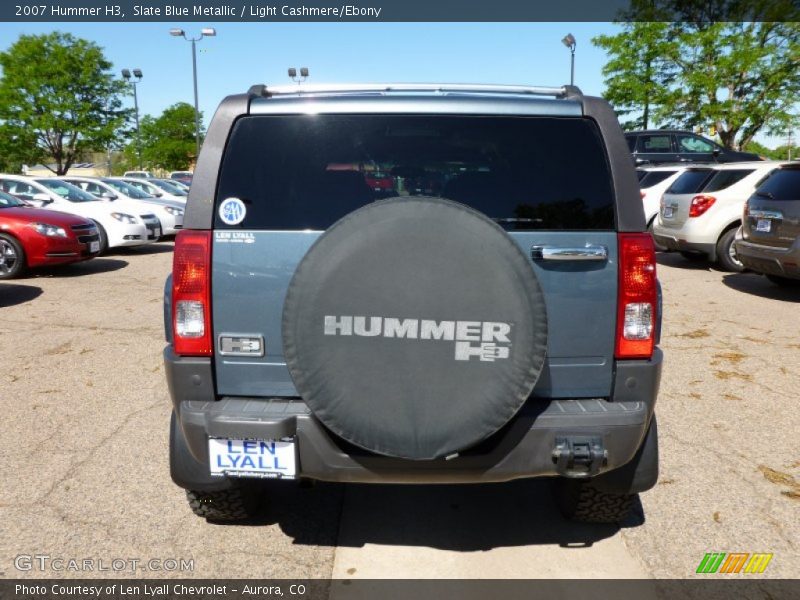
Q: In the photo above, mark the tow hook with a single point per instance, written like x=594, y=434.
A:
x=579, y=456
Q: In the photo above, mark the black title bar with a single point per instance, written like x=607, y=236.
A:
x=398, y=10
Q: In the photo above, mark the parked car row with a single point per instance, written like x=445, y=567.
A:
x=182, y=177
x=743, y=215
x=49, y=220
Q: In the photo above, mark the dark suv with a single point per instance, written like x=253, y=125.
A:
x=654, y=146
x=769, y=239
x=506, y=327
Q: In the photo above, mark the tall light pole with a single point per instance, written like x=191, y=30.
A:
x=205, y=32
x=126, y=75
x=569, y=42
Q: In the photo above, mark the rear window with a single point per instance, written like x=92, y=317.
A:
x=653, y=177
x=726, y=178
x=690, y=182
x=782, y=184
x=307, y=171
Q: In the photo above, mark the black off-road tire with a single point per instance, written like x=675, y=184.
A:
x=235, y=504
x=783, y=281
x=581, y=501
x=724, y=249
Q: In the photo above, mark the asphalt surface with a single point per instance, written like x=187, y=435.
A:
x=83, y=452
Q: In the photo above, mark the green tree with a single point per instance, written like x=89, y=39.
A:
x=742, y=77
x=764, y=151
x=637, y=74
x=167, y=141
x=58, y=99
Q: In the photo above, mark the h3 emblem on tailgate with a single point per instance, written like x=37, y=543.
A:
x=241, y=344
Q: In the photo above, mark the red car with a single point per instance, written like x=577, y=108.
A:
x=380, y=183
x=33, y=237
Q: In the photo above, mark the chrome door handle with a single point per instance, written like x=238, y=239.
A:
x=588, y=252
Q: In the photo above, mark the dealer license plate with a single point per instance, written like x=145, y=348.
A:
x=252, y=458
x=668, y=212
x=763, y=225
x=94, y=246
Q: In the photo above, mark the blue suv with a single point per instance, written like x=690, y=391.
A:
x=500, y=324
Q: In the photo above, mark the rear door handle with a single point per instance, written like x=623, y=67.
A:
x=562, y=253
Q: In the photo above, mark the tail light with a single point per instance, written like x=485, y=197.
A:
x=643, y=194
x=637, y=298
x=191, y=293
x=700, y=204
x=746, y=212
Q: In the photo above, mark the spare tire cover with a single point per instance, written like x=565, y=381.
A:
x=414, y=328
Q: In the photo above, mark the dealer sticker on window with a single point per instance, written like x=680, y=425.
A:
x=252, y=458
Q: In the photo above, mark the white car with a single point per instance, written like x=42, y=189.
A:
x=653, y=182
x=156, y=187
x=169, y=213
x=118, y=224
x=702, y=209
x=138, y=174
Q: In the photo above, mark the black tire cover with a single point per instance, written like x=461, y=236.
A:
x=411, y=270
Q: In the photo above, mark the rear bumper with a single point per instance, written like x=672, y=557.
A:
x=688, y=238
x=524, y=448
x=784, y=262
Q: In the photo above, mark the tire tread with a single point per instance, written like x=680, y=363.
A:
x=235, y=504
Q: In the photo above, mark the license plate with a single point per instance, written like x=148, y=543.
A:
x=252, y=458
x=763, y=225
x=668, y=212
x=94, y=246
x=157, y=232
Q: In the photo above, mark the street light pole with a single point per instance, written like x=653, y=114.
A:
x=196, y=103
x=126, y=75
x=569, y=42
x=205, y=32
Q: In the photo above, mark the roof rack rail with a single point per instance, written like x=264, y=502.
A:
x=388, y=88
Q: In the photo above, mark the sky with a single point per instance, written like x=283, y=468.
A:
x=243, y=54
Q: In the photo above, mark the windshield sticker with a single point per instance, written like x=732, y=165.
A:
x=232, y=211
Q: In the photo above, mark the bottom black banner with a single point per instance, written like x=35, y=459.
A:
x=395, y=589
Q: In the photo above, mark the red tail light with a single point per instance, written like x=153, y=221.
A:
x=643, y=194
x=700, y=204
x=191, y=293
x=637, y=300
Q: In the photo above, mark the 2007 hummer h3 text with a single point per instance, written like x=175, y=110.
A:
x=496, y=318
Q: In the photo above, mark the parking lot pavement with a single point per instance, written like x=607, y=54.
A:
x=83, y=444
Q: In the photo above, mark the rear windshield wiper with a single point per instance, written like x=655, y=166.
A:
x=765, y=195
